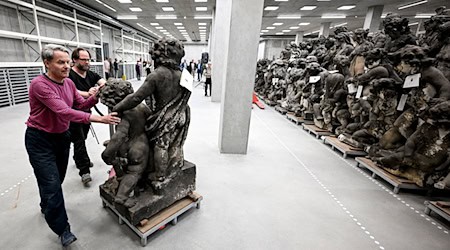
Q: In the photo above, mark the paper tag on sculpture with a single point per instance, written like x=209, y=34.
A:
x=274, y=81
x=314, y=79
x=402, y=102
x=305, y=103
x=351, y=88
x=186, y=80
x=412, y=81
x=359, y=93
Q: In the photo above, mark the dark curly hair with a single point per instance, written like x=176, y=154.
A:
x=167, y=52
x=114, y=91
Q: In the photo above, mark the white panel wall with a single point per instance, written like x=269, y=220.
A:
x=194, y=51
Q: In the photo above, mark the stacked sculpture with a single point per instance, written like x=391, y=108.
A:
x=146, y=151
x=388, y=93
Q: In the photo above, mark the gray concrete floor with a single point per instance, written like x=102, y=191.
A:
x=289, y=192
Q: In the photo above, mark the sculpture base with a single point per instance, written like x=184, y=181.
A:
x=157, y=197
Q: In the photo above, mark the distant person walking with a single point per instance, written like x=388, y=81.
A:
x=116, y=68
x=207, y=73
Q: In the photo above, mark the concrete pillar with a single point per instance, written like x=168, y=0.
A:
x=211, y=35
x=373, y=18
x=236, y=106
x=221, y=37
x=325, y=29
x=299, y=37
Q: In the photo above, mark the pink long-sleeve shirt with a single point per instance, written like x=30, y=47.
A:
x=51, y=105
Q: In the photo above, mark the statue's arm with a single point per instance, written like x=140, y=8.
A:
x=136, y=98
x=118, y=138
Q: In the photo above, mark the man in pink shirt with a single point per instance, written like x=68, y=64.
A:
x=47, y=140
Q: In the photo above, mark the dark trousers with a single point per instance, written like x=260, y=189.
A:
x=49, y=154
x=138, y=75
x=78, y=135
x=208, y=83
x=107, y=75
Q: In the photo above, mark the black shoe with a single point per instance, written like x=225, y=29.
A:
x=91, y=164
x=67, y=237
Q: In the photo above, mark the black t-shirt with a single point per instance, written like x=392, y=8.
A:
x=84, y=84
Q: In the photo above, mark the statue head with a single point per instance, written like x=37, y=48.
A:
x=314, y=68
x=395, y=25
x=341, y=60
x=340, y=29
x=410, y=59
x=360, y=35
x=114, y=91
x=310, y=59
x=167, y=52
x=343, y=37
x=374, y=57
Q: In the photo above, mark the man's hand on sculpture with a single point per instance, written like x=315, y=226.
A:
x=93, y=91
x=111, y=118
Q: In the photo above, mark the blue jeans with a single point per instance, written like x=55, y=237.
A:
x=49, y=154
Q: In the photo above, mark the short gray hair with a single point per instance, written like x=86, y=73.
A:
x=49, y=49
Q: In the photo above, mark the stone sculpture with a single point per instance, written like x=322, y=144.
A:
x=169, y=177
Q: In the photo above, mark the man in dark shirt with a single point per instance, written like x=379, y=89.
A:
x=85, y=81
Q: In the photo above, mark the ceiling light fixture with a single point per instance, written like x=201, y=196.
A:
x=346, y=7
x=165, y=17
x=202, y=17
x=154, y=24
x=271, y=8
x=277, y=24
x=279, y=33
x=107, y=6
x=289, y=17
x=201, y=24
x=303, y=24
x=201, y=8
x=339, y=25
x=178, y=24
x=294, y=27
x=168, y=8
x=281, y=0
x=286, y=30
x=159, y=28
x=127, y=17
x=264, y=31
x=328, y=16
x=124, y=1
x=201, y=1
x=412, y=24
x=423, y=15
x=162, y=1
x=270, y=28
x=412, y=4
x=308, y=7
x=135, y=9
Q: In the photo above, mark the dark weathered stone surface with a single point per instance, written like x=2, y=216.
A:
x=158, y=197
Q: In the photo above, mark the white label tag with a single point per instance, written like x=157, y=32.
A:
x=412, y=81
x=313, y=88
x=186, y=80
x=402, y=102
x=351, y=88
x=274, y=81
x=314, y=79
x=305, y=103
x=360, y=89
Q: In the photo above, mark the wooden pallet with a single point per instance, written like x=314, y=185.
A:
x=344, y=148
x=397, y=182
x=281, y=110
x=295, y=119
x=440, y=207
x=317, y=132
x=159, y=220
